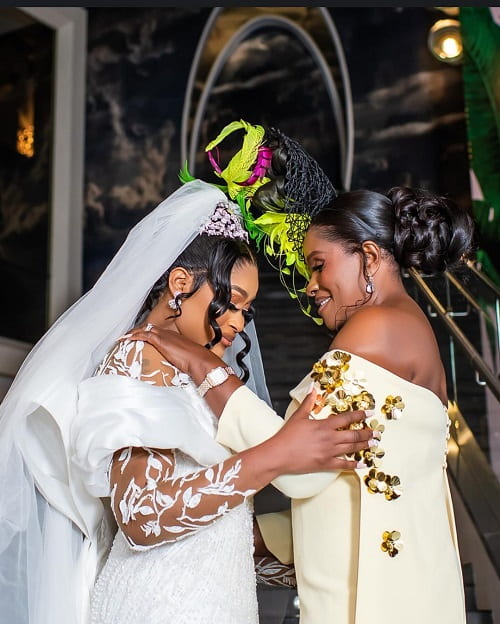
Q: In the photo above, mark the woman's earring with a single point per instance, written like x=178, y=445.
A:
x=174, y=303
x=369, y=285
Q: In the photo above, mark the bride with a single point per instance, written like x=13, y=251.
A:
x=92, y=427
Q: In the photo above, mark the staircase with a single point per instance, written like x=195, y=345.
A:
x=474, y=616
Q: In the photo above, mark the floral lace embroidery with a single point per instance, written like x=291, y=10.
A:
x=166, y=508
x=152, y=504
x=127, y=358
x=270, y=571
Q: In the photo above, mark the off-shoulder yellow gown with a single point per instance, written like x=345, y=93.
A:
x=377, y=545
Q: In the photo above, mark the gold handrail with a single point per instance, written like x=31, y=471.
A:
x=477, y=361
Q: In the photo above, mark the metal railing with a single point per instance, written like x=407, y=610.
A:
x=468, y=464
x=446, y=315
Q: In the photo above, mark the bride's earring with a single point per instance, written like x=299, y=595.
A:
x=174, y=303
x=369, y=285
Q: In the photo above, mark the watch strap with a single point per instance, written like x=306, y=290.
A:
x=206, y=384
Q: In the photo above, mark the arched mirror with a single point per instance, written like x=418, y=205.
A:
x=274, y=65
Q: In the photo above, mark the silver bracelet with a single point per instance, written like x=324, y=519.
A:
x=214, y=378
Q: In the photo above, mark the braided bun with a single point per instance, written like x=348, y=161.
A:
x=272, y=196
x=431, y=233
x=297, y=183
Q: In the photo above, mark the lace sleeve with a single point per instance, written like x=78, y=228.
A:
x=150, y=504
x=270, y=571
x=153, y=507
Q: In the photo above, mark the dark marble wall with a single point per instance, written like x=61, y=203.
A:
x=26, y=56
x=138, y=64
x=408, y=114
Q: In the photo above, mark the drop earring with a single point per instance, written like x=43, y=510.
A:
x=174, y=303
x=369, y=285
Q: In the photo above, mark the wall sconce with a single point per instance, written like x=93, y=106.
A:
x=445, y=41
x=25, y=138
x=451, y=11
x=25, y=143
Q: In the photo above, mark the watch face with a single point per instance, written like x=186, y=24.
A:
x=217, y=376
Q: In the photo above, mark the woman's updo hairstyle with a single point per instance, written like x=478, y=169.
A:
x=421, y=230
x=431, y=234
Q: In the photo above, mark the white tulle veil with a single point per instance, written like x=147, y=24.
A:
x=49, y=526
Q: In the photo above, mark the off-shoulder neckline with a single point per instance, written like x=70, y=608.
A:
x=395, y=375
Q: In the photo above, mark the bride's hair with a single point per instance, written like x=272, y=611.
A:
x=208, y=259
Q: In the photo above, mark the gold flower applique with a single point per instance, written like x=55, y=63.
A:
x=372, y=457
x=381, y=483
x=363, y=401
x=393, y=407
x=341, y=390
x=391, y=543
x=328, y=372
x=447, y=438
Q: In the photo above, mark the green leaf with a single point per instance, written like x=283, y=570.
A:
x=481, y=79
x=184, y=175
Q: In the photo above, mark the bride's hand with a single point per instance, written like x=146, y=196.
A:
x=178, y=350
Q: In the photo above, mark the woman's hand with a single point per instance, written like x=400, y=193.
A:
x=307, y=445
x=186, y=355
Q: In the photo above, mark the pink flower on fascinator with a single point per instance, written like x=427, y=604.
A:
x=224, y=222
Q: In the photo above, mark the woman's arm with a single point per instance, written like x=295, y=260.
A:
x=197, y=361
x=245, y=420
x=152, y=506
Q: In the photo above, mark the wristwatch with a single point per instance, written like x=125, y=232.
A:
x=214, y=378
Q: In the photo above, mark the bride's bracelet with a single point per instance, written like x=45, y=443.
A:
x=270, y=571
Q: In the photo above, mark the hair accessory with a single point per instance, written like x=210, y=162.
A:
x=273, y=175
x=369, y=285
x=174, y=303
x=224, y=222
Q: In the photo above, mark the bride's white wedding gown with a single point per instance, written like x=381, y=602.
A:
x=205, y=576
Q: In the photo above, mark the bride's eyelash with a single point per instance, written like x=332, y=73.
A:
x=234, y=308
x=317, y=267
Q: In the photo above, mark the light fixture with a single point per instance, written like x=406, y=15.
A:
x=452, y=11
x=25, y=143
x=445, y=41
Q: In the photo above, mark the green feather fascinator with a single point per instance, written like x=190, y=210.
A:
x=279, y=187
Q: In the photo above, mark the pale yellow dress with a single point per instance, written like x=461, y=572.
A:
x=378, y=545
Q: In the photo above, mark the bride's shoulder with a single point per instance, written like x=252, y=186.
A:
x=139, y=360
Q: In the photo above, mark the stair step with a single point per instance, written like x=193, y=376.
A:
x=479, y=617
